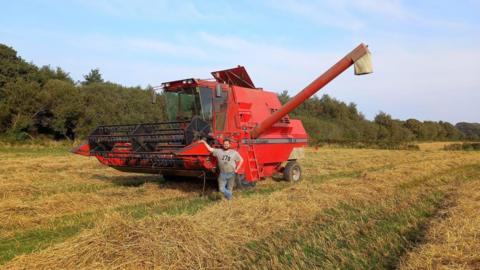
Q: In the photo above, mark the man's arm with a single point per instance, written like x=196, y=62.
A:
x=209, y=148
x=240, y=162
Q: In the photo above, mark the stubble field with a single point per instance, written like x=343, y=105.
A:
x=355, y=209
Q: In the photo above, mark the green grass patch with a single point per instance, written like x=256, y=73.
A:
x=35, y=151
x=36, y=239
x=32, y=240
x=61, y=228
x=328, y=228
x=353, y=173
x=360, y=235
x=463, y=173
x=171, y=207
x=350, y=236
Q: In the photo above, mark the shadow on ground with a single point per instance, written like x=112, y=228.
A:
x=186, y=184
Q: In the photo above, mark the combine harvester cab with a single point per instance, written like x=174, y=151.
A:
x=228, y=107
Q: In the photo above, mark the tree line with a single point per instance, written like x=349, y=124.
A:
x=329, y=120
x=42, y=101
x=47, y=102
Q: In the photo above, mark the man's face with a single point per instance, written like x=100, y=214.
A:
x=226, y=145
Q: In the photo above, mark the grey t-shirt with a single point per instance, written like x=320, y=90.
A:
x=226, y=159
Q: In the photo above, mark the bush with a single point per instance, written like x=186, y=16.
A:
x=462, y=147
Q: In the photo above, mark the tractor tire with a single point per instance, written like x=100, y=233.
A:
x=292, y=172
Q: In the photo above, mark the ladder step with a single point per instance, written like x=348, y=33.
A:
x=253, y=163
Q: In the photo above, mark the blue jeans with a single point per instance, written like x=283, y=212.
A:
x=225, y=184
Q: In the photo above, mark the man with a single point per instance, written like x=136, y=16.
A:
x=229, y=162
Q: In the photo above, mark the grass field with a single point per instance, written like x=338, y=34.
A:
x=355, y=209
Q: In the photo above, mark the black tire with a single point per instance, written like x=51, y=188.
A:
x=292, y=172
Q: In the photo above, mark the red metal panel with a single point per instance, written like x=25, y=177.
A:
x=83, y=150
x=258, y=103
x=194, y=149
x=234, y=76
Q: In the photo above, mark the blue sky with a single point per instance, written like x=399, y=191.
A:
x=426, y=53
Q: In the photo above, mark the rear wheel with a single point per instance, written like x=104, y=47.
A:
x=292, y=172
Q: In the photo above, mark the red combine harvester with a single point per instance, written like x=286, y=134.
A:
x=230, y=107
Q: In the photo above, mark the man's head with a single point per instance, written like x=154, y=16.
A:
x=226, y=144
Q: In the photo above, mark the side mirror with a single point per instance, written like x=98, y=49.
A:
x=218, y=90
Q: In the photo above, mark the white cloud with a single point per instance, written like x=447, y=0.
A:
x=356, y=15
x=350, y=15
x=123, y=8
x=162, y=47
x=225, y=42
x=384, y=7
x=328, y=13
x=159, y=10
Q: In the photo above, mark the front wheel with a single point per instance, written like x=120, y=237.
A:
x=292, y=172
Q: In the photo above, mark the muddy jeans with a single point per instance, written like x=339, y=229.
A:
x=225, y=184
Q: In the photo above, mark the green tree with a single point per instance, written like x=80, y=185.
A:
x=23, y=103
x=62, y=108
x=93, y=77
x=47, y=73
x=415, y=127
x=392, y=131
x=284, y=97
x=13, y=68
x=471, y=131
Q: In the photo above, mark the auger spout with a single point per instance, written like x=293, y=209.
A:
x=360, y=57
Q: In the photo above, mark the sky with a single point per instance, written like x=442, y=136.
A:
x=426, y=54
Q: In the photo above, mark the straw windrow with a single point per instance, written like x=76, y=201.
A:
x=190, y=233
